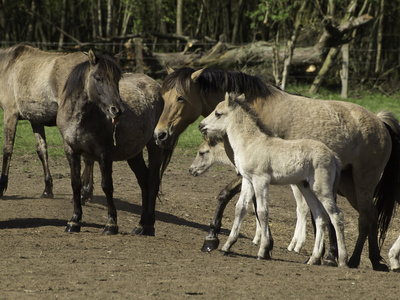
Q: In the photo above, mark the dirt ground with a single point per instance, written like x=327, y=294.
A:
x=40, y=261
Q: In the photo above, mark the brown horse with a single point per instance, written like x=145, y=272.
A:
x=31, y=80
x=366, y=144
x=97, y=124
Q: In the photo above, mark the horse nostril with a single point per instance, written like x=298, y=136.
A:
x=202, y=129
x=162, y=136
x=114, y=111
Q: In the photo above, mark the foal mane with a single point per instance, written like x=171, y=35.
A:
x=76, y=79
x=235, y=100
x=215, y=80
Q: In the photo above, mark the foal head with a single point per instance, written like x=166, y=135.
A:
x=217, y=122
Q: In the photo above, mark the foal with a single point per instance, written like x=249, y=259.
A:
x=307, y=163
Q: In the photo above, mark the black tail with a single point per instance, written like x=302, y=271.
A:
x=387, y=192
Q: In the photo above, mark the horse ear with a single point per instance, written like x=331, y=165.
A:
x=196, y=74
x=92, y=57
x=169, y=69
x=118, y=56
x=241, y=98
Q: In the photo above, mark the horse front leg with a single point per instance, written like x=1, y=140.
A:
x=10, y=126
x=211, y=242
x=74, y=160
x=87, y=181
x=105, y=163
x=41, y=149
x=146, y=223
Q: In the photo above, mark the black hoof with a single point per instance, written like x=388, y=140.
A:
x=381, y=268
x=47, y=195
x=110, y=230
x=150, y=231
x=86, y=197
x=73, y=227
x=330, y=263
x=210, y=245
x=226, y=253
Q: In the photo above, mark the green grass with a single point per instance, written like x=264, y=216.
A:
x=191, y=138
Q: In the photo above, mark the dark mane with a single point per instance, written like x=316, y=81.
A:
x=214, y=80
x=75, y=82
x=234, y=100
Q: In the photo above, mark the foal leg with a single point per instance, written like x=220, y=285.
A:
x=300, y=232
x=87, y=181
x=10, y=127
x=211, y=242
x=320, y=218
x=240, y=211
x=394, y=254
x=41, y=149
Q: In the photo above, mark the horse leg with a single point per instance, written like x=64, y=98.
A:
x=155, y=158
x=105, y=163
x=319, y=221
x=41, y=149
x=361, y=199
x=240, y=210
x=394, y=254
x=141, y=171
x=10, y=127
x=300, y=233
x=87, y=181
x=211, y=242
x=74, y=160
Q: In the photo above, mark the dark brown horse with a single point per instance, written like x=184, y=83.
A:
x=366, y=144
x=31, y=81
x=97, y=125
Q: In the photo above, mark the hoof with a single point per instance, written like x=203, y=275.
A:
x=330, y=263
x=139, y=230
x=47, y=195
x=86, y=197
x=381, y=268
x=396, y=270
x=316, y=262
x=110, y=230
x=226, y=253
x=73, y=227
x=210, y=245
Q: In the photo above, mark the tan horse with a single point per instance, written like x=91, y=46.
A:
x=31, y=80
x=363, y=142
x=309, y=164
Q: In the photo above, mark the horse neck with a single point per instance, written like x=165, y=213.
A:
x=241, y=130
x=219, y=154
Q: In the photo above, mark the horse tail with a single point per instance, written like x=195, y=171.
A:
x=387, y=192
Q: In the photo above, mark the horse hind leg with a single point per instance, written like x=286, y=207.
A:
x=394, y=254
x=41, y=149
x=10, y=126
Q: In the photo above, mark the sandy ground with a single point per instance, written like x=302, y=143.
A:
x=40, y=261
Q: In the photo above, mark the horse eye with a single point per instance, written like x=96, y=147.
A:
x=180, y=99
x=97, y=78
x=217, y=114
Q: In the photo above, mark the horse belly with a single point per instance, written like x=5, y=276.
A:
x=39, y=112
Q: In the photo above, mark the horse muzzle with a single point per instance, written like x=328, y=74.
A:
x=115, y=113
x=162, y=137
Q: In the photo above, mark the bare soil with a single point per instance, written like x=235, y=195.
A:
x=40, y=261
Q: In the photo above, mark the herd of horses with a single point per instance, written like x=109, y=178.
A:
x=105, y=116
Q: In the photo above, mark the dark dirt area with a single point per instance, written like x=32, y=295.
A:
x=40, y=261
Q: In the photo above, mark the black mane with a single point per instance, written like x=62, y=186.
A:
x=76, y=81
x=215, y=80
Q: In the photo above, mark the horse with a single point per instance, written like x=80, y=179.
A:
x=211, y=151
x=363, y=142
x=309, y=164
x=103, y=119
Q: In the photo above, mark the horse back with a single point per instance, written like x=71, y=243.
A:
x=31, y=81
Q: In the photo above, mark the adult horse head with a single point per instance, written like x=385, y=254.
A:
x=181, y=105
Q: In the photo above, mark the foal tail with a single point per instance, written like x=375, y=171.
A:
x=387, y=192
